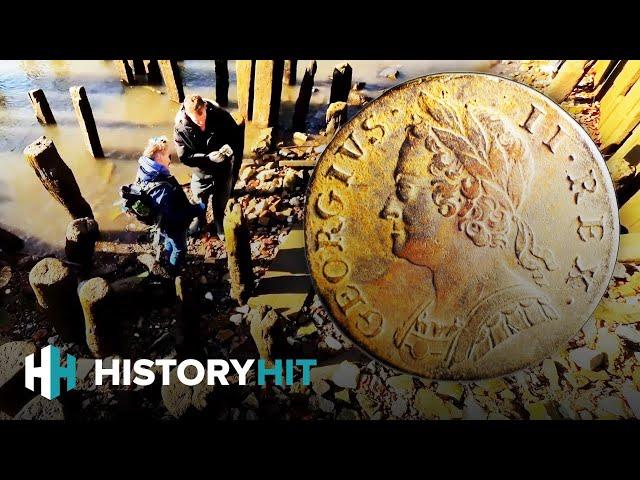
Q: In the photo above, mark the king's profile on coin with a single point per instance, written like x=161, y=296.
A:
x=488, y=233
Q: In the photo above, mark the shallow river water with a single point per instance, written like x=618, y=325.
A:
x=126, y=117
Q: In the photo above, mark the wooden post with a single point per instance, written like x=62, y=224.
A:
x=82, y=234
x=304, y=97
x=153, y=71
x=245, y=72
x=237, y=245
x=100, y=326
x=86, y=121
x=340, y=83
x=238, y=147
x=289, y=75
x=222, y=83
x=138, y=67
x=56, y=177
x=54, y=285
x=267, y=90
x=336, y=117
x=124, y=70
x=172, y=79
x=566, y=79
x=41, y=107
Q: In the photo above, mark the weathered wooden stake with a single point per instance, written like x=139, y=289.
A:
x=304, y=97
x=238, y=147
x=153, y=71
x=341, y=83
x=138, y=67
x=86, y=121
x=222, y=83
x=82, y=234
x=41, y=107
x=100, y=326
x=336, y=117
x=56, y=177
x=172, y=79
x=237, y=245
x=289, y=76
x=245, y=72
x=267, y=90
x=54, y=285
x=125, y=72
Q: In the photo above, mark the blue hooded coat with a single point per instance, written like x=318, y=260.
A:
x=169, y=198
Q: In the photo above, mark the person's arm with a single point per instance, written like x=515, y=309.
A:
x=172, y=209
x=186, y=152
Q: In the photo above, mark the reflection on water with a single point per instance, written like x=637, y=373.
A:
x=126, y=117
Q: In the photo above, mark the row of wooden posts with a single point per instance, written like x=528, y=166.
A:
x=258, y=83
x=616, y=86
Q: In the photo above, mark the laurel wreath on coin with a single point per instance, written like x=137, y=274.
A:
x=481, y=172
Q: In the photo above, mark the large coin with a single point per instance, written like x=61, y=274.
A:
x=461, y=226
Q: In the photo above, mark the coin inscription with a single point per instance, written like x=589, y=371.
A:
x=442, y=234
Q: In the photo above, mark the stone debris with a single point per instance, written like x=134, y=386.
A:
x=346, y=375
x=587, y=358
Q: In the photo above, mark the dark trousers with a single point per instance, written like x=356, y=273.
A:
x=216, y=186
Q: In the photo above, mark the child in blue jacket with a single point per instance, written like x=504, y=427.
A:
x=175, y=210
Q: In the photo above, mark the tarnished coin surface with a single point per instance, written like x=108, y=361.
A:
x=461, y=226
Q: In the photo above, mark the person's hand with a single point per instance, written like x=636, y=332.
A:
x=226, y=150
x=216, y=156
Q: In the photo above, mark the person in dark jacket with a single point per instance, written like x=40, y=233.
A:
x=203, y=135
x=175, y=210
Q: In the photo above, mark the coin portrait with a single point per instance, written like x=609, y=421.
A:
x=461, y=226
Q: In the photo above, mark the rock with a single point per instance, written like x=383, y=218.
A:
x=299, y=138
x=180, y=399
x=264, y=143
x=632, y=396
x=306, y=330
x=629, y=333
x=542, y=411
x=399, y=407
x=343, y=395
x=332, y=343
x=236, y=318
x=450, y=389
x=5, y=276
x=247, y=173
x=401, y=382
x=243, y=309
x=346, y=375
x=587, y=358
x=251, y=401
x=369, y=406
x=347, y=414
x=430, y=406
x=224, y=335
x=317, y=402
x=551, y=373
x=251, y=415
x=472, y=409
x=12, y=355
x=613, y=406
x=320, y=387
x=620, y=271
x=208, y=296
x=322, y=373
x=391, y=73
x=39, y=408
x=608, y=343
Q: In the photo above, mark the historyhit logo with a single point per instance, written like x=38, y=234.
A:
x=50, y=372
x=144, y=372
